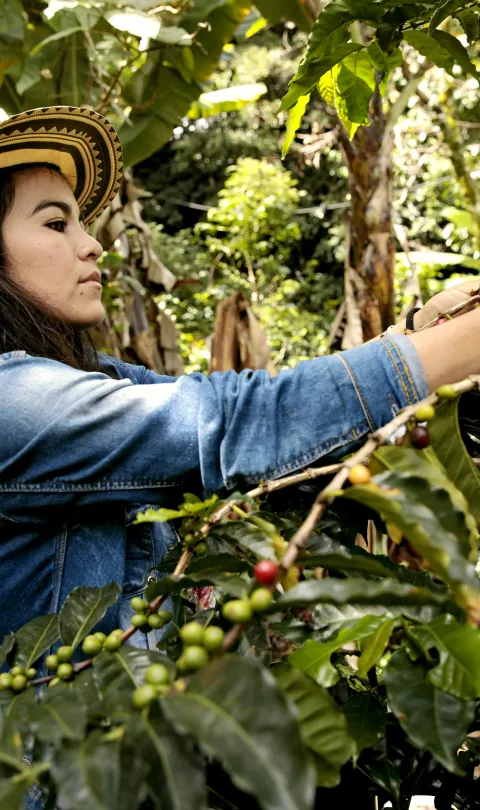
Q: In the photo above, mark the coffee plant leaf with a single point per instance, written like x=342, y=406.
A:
x=212, y=563
x=87, y=774
x=60, y=714
x=458, y=647
x=248, y=537
x=359, y=591
x=427, y=464
x=314, y=657
x=375, y=646
x=441, y=11
x=18, y=712
x=430, y=48
x=125, y=668
x=334, y=557
x=12, y=749
x=87, y=689
x=470, y=22
x=295, y=115
x=237, y=713
x=82, y=609
x=232, y=584
x=6, y=646
x=366, y=717
x=34, y=638
x=423, y=509
x=457, y=50
x=432, y=719
x=12, y=794
x=446, y=439
x=393, y=760
x=323, y=725
x=175, y=779
x=118, y=674
x=310, y=73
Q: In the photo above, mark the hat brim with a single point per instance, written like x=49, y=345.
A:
x=81, y=143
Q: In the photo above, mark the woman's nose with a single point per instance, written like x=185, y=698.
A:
x=91, y=247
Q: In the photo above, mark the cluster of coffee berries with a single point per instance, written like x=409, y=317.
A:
x=17, y=679
x=240, y=611
x=418, y=435
x=157, y=683
x=198, y=545
x=145, y=621
x=59, y=662
x=198, y=643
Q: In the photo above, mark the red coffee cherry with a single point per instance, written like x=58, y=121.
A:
x=419, y=437
x=266, y=572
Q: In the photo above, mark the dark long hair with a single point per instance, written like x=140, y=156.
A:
x=24, y=321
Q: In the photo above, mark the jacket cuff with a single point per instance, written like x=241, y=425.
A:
x=391, y=364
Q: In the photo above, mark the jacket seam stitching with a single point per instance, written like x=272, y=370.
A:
x=58, y=568
x=359, y=393
x=392, y=355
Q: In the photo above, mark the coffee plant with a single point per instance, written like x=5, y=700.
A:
x=295, y=668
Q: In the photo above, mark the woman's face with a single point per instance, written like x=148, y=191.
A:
x=48, y=251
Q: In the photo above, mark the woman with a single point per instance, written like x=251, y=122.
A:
x=88, y=441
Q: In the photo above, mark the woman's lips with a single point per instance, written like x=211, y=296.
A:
x=91, y=284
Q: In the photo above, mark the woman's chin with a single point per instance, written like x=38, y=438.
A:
x=88, y=320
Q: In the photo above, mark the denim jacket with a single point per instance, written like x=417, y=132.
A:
x=81, y=453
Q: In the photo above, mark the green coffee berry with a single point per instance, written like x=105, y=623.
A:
x=6, y=681
x=51, y=662
x=138, y=604
x=446, y=392
x=165, y=615
x=190, y=539
x=213, y=638
x=64, y=654
x=162, y=689
x=17, y=671
x=143, y=696
x=65, y=671
x=101, y=636
x=155, y=621
x=192, y=658
x=139, y=620
x=261, y=599
x=237, y=611
x=201, y=549
x=425, y=413
x=30, y=673
x=54, y=682
x=112, y=643
x=92, y=645
x=157, y=675
x=19, y=683
x=192, y=633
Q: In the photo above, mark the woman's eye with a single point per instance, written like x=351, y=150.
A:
x=59, y=224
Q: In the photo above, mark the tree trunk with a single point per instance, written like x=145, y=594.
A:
x=371, y=246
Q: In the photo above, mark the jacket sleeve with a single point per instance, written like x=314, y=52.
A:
x=70, y=436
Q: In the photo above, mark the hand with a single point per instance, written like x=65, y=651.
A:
x=439, y=303
x=444, y=301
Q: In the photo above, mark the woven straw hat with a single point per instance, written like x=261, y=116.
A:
x=81, y=143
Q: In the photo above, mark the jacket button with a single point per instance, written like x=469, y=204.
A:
x=151, y=578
